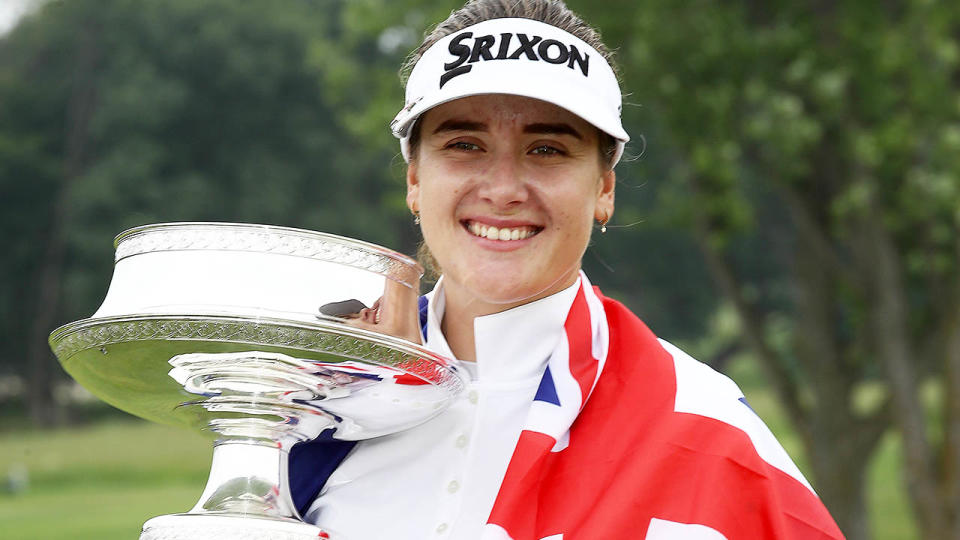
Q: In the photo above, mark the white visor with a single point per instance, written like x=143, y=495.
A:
x=520, y=57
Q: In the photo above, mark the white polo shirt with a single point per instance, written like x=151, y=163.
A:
x=440, y=479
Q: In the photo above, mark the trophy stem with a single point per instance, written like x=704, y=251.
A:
x=248, y=478
x=247, y=497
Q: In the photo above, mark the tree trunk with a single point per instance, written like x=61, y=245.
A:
x=893, y=347
x=951, y=454
x=842, y=443
x=841, y=484
x=952, y=431
x=838, y=443
x=41, y=401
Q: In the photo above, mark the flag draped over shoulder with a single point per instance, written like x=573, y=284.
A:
x=628, y=437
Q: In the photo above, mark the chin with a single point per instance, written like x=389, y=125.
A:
x=507, y=298
x=513, y=292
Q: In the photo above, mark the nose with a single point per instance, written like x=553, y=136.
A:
x=502, y=183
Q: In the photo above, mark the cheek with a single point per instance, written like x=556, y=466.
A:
x=431, y=188
x=574, y=209
x=439, y=200
x=438, y=206
x=441, y=191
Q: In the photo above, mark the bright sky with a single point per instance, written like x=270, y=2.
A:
x=11, y=11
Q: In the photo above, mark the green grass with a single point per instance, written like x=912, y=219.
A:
x=886, y=495
x=102, y=481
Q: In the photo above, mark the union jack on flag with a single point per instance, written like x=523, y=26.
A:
x=628, y=437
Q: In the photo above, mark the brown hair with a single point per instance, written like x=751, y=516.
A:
x=552, y=12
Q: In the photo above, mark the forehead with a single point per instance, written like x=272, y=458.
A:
x=504, y=111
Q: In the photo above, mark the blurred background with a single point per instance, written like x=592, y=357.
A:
x=788, y=213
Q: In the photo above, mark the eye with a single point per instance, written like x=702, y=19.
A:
x=463, y=145
x=547, y=150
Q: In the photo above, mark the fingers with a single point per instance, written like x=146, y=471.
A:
x=395, y=313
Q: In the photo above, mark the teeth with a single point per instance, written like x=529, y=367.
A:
x=504, y=234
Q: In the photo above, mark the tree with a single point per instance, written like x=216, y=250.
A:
x=836, y=126
x=120, y=113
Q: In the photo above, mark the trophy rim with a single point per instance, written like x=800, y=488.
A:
x=440, y=372
x=380, y=260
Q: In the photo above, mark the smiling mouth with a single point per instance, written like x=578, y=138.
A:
x=504, y=234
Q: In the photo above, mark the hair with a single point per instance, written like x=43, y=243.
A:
x=552, y=12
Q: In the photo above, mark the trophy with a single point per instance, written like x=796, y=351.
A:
x=265, y=337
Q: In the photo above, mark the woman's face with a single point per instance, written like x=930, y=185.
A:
x=508, y=189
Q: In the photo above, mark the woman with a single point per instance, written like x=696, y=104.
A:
x=577, y=422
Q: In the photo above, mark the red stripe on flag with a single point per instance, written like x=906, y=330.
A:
x=632, y=458
x=409, y=380
x=583, y=366
x=522, y=484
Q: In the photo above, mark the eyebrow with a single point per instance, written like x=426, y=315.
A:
x=553, y=129
x=460, y=125
x=455, y=124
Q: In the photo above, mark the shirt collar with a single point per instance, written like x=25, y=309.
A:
x=512, y=345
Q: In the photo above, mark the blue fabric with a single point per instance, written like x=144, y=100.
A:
x=311, y=464
x=744, y=401
x=547, y=391
x=423, y=316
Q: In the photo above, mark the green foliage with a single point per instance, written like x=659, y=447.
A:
x=207, y=111
x=815, y=158
x=266, y=111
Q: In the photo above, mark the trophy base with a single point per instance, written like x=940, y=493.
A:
x=214, y=527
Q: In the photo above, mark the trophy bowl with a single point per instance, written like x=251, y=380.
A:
x=264, y=337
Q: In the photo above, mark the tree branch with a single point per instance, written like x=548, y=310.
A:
x=816, y=237
x=753, y=333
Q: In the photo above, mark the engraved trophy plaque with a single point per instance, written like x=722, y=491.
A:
x=264, y=336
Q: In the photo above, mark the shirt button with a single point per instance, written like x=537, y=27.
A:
x=462, y=441
x=441, y=528
x=472, y=396
x=453, y=486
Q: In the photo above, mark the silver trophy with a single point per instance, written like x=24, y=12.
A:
x=266, y=337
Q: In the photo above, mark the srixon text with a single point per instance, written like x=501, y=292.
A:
x=510, y=46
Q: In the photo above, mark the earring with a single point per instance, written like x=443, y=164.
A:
x=603, y=224
x=416, y=217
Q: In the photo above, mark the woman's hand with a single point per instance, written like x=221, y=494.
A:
x=395, y=313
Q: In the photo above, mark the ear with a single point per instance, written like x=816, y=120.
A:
x=413, y=187
x=605, y=196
